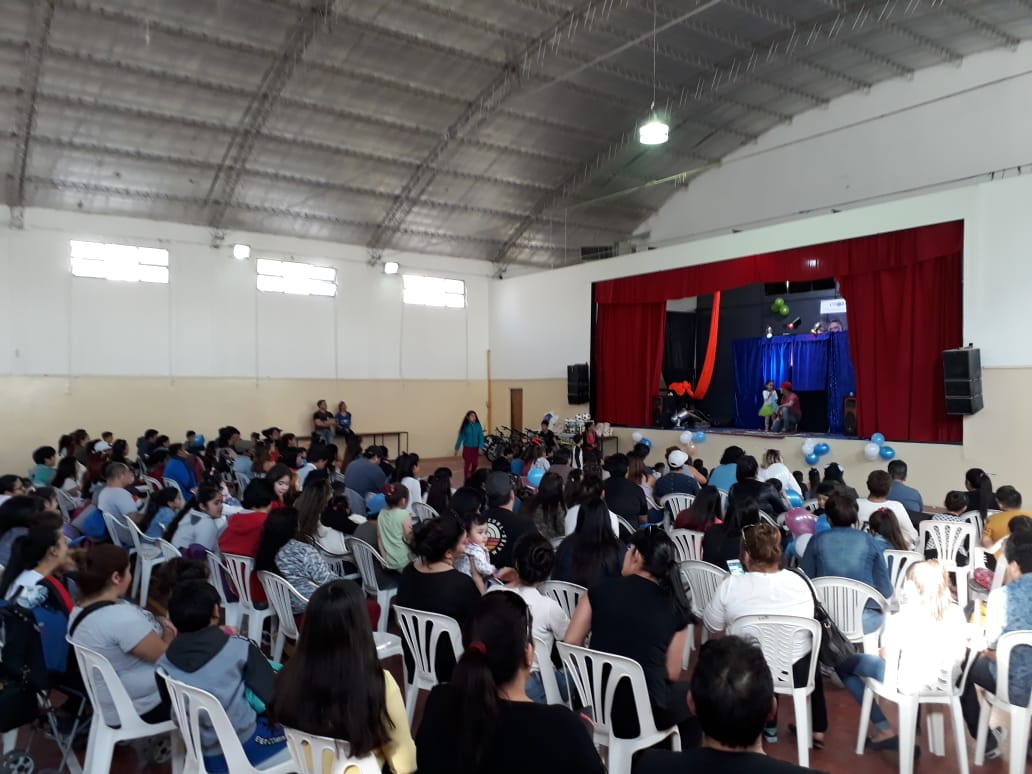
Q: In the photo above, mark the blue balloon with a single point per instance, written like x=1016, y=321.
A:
x=794, y=498
x=886, y=452
x=878, y=438
x=535, y=476
x=699, y=436
x=646, y=443
x=812, y=458
x=821, y=449
x=376, y=503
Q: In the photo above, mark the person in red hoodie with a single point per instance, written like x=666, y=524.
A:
x=244, y=531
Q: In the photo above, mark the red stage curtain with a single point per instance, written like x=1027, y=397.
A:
x=902, y=314
x=900, y=321
x=628, y=360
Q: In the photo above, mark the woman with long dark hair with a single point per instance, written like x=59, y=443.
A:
x=439, y=491
x=41, y=552
x=547, y=507
x=703, y=513
x=282, y=481
x=592, y=553
x=406, y=474
x=724, y=541
x=344, y=692
x=161, y=510
x=979, y=492
x=643, y=615
x=482, y=721
x=298, y=562
x=471, y=441
x=199, y=522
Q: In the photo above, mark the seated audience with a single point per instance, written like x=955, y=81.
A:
x=282, y=482
x=703, y=513
x=507, y=525
x=483, y=720
x=547, y=507
x=394, y=528
x=130, y=638
x=723, y=540
x=878, y=483
x=624, y=497
x=928, y=635
x=438, y=495
x=200, y=522
x=980, y=495
x=679, y=480
x=45, y=468
x=202, y=655
x=884, y=528
x=432, y=583
x=1009, y=609
x=1009, y=499
x=774, y=468
x=344, y=692
x=364, y=474
x=833, y=472
x=406, y=474
x=312, y=506
x=534, y=557
x=68, y=478
x=561, y=463
x=955, y=503
x=725, y=474
x=16, y=516
x=161, y=510
x=292, y=556
x=749, y=487
x=580, y=491
x=642, y=615
x=38, y=554
x=846, y=552
x=732, y=695
x=766, y=589
x=114, y=498
x=593, y=552
x=900, y=492
x=180, y=468
x=476, y=561
x=243, y=533
x=319, y=458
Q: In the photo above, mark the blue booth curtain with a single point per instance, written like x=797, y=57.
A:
x=809, y=362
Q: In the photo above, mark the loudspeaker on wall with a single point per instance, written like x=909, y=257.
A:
x=962, y=380
x=578, y=384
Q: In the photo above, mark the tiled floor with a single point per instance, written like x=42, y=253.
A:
x=837, y=757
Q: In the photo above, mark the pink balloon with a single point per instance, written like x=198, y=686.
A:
x=800, y=522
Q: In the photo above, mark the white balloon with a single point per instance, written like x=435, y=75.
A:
x=686, y=437
x=871, y=452
x=809, y=445
x=636, y=436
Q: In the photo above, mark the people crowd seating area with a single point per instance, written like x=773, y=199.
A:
x=508, y=589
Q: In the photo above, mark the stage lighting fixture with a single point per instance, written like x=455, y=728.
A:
x=818, y=327
x=770, y=332
x=679, y=416
x=794, y=325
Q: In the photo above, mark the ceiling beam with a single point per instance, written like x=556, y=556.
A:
x=507, y=80
x=223, y=188
x=987, y=30
x=25, y=110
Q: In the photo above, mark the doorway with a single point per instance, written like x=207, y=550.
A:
x=516, y=409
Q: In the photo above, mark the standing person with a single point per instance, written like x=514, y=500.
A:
x=789, y=412
x=343, y=420
x=344, y=693
x=323, y=423
x=471, y=441
x=483, y=720
x=770, y=404
x=591, y=443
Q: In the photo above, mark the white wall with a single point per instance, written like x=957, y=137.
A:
x=210, y=321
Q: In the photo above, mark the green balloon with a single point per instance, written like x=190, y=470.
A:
x=779, y=302
x=785, y=311
x=775, y=308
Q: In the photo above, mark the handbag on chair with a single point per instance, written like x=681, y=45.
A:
x=834, y=646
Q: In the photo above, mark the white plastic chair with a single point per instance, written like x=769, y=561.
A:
x=980, y=560
x=596, y=675
x=544, y=666
x=897, y=562
x=631, y=529
x=150, y=552
x=219, y=577
x=367, y=557
x=812, y=505
x=120, y=533
x=387, y=645
x=764, y=516
x=253, y=618
x=65, y=504
x=339, y=565
x=672, y=505
x=723, y=500
x=106, y=732
x=784, y=640
x=321, y=755
x=172, y=483
x=188, y=705
x=845, y=600
x=566, y=594
x=947, y=693
x=280, y=594
x=702, y=579
x=423, y=512
x=1020, y=716
x=688, y=544
x=422, y=631
x=948, y=539
x=975, y=518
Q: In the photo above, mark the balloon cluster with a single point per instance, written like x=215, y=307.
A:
x=876, y=448
x=813, y=450
x=690, y=440
x=780, y=307
x=639, y=438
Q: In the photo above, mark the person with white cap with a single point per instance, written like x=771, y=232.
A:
x=678, y=480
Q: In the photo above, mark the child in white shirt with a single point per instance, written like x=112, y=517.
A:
x=475, y=562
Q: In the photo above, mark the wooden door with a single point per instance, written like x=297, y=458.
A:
x=516, y=408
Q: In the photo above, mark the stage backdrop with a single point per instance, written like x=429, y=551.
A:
x=811, y=363
x=904, y=294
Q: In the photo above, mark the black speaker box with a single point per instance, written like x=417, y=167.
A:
x=849, y=415
x=578, y=385
x=962, y=380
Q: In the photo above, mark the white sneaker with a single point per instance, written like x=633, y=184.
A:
x=1000, y=735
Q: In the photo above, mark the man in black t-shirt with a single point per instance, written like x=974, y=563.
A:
x=732, y=695
x=323, y=424
x=504, y=527
x=624, y=498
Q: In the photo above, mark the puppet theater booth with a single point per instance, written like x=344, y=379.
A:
x=903, y=292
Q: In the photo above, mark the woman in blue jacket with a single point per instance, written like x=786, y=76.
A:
x=471, y=440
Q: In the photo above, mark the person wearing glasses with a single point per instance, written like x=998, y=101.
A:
x=766, y=589
x=482, y=720
x=643, y=615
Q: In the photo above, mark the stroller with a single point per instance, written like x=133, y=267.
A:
x=35, y=665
